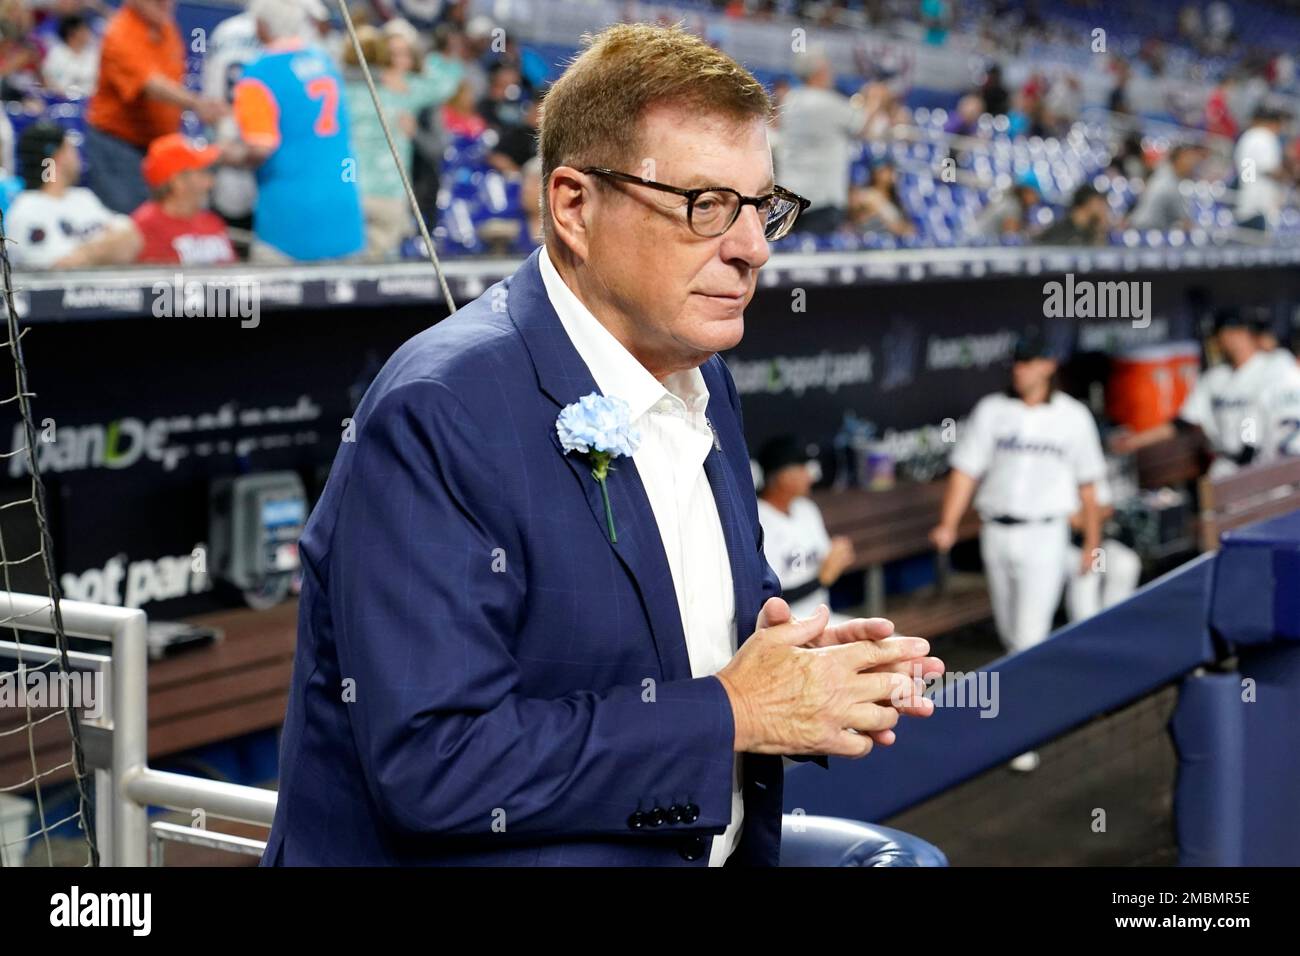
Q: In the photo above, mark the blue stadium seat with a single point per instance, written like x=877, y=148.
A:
x=829, y=841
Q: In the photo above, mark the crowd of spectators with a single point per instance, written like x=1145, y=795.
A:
x=290, y=159
x=277, y=154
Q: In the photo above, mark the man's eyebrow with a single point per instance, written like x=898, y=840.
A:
x=699, y=182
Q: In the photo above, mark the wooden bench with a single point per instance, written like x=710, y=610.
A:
x=893, y=524
x=1252, y=494
x=237, y=686
x=1179, y=461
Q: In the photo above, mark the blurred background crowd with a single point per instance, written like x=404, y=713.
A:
x=131, y=134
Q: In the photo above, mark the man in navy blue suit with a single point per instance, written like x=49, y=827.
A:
x=504, y=660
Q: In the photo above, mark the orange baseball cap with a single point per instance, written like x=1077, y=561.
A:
x=175, y=153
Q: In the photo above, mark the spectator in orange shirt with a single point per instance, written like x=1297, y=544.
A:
x=140, y=97
x=176, y=225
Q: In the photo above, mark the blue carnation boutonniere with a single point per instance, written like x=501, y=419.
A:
x=599, y=427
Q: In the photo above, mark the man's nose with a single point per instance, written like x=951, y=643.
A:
x=745, y=240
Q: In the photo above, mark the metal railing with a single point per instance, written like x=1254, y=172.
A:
x=117, y=744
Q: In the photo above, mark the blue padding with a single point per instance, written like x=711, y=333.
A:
x=1238, y=740
x=1209, y=730
x=1272, y=768
x=1143, y=643
x=826, y=841
x=1256, y=591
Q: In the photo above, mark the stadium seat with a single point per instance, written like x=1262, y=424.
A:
x=830, y=841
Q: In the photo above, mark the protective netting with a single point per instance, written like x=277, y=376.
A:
x=46, y=816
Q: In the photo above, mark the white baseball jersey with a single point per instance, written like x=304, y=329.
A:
x=44, y=228
x=232, y=46
x=1256, y=404
x=1283, y=358
x=1030, y=459
x=1281, y=436
x=795, y=545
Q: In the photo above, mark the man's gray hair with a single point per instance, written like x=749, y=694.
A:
x=281, y=19
x=807, y=64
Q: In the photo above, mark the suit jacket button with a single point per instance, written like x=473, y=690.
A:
x=674, y=814
x=636, y=821
x=655, y=817
x=692, y=848
x=690, y=813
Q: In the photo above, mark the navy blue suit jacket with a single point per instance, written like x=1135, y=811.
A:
x=481, y=676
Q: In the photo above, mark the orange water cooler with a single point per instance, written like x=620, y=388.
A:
x=1147, y=386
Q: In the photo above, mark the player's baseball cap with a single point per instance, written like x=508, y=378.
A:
x=1031, y=345
x=175, y=153
x=1230, y=317
x=782, y=452
x=1258, y=317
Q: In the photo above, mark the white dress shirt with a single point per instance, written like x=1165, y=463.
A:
x=675, y=440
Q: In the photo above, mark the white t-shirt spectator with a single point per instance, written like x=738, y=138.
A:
x=818, y=127
x=45, y=228
x=69, y=72
x=795, y=545
x=1258, y=158
x=232, y=46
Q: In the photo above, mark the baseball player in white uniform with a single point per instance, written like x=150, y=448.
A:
x=806, y=559
x=1115, y=571
x=1247, y=407
x=1034, y=454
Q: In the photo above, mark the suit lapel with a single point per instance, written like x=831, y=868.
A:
x=564, y=378
x=726, y=497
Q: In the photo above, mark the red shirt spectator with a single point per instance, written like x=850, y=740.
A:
x=1218, y=118
x=175, y=225
x=198, y=240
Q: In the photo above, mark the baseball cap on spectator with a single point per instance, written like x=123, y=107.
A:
x=399, y=27
x=1029, y=180
x=175, y=153
x=38, y=142
x=479, y=27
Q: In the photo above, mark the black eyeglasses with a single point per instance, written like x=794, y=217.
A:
x=712, y=210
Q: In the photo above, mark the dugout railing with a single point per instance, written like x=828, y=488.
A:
x=116, y=743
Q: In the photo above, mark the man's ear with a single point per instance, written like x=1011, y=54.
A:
x=569, y=197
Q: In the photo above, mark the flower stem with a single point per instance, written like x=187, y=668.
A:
x=609, y=512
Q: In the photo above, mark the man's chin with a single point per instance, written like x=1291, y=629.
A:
x=718, y=334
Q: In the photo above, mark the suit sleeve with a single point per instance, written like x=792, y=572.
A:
x=427, y=587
